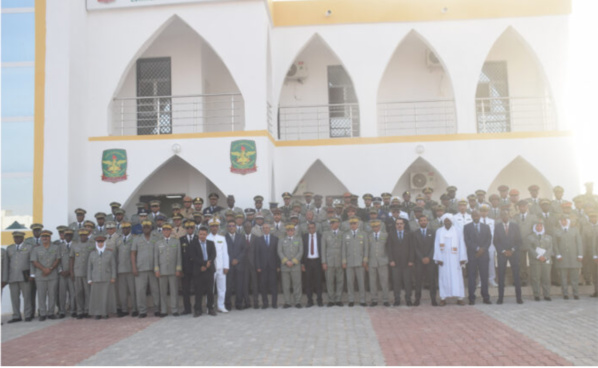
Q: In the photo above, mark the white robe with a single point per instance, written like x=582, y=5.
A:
x=451, y=253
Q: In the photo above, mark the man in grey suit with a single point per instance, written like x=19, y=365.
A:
x=290, y=251
x=168, y=268
x=569, y=255
x=45, y=260
x=66, y=286
x=79, y=254
x=19, y=273
x=332, y=262
x=125, y=279
x=378, y=263
x=355, y=260
x=526, y=220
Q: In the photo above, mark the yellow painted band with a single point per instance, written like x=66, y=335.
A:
x=249, y=133
x=7, y=236
x=309, y=12
x=39, y=112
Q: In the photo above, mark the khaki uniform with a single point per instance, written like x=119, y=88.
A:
x=20, y=269
x=146, y=276
x=47, y=286
x=526, y=225
x=332, y=256
x=187, y=213
x=291, y=249
x=168, y=261
x=125, y=280
x=590, y=244
x=540, y=271
x=354, y=254
x=378, y=265
x=101, y=269
x=66, y=285
x=280, y=231
x=568, y=247
x=178, y=231
x=80, y=254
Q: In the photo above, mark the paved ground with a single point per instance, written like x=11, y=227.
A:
x=535, y=333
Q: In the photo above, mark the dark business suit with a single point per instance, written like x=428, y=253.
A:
x=502, y=243
x=212, y=210
x=187, y=261
x=251, y=278
x=235, y=279
x=476, y=237
x=268, y=261
x=203, y=281
x=423, y=247
x=401, y=253
x=313, y=267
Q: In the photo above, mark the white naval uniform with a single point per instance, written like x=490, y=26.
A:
x=221, y=262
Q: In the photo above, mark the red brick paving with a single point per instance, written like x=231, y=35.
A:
x=70, y=342
x=453, y=335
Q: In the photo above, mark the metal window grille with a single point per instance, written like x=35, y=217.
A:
x=344, y=122
x=493, y=107
x=154, y=115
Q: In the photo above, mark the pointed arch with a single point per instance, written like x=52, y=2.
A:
x=415, y=94
x=513, y=93
x=320, y=180
x=417, y=176
x=201, y=85
x=520, y=174
x=189, y=181
x=319, y=100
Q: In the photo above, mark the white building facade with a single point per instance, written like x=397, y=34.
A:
x=334, y=101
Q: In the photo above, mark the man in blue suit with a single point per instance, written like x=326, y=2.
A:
x=477, y=238
x=268, y=266
x=235, y=280
x=507, y=240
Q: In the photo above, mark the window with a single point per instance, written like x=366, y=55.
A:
x=343, y=108
x=154, y=114
x=492, y=98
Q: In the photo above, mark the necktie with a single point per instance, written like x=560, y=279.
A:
x=167, y=241
x=203, y=249
x=335, y=232
x=267, y=240
x=189, y=237
x=37, y=241
x=376, y=236
x=125, y=239
x=477, y=227
x=484, y=220
x=18, y=247
x=159, y=230
x=522, y=218
x=80, y=225
x=109, y=237
x=118, y=225
x=353, y=234
x=317, y=211
x=424, y=233
x=248, y=239
x=312, y=245
x=507, y=229
x=276, y=226
x=565, y=230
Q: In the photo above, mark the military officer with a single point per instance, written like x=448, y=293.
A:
x=453, y=204
x=112, y=237
x=332, y=242
x=290, y=251
x=378, y=263
x=90, y=226
x=142, y=263
x=278, y=227
x=503, y=191
x=80, y=214
x=125, y=279
x=386, y=202
x=286, y=208
x=481, y=197
x=374, y=216
x=590, y=244
x=214, y=208
x=119, y=218
x=472, y=203
x=178, y=229
x=513, y=201
x=221, y=263
x=45, y=260
x=79, y=254
x=197, y=205
x=159, y=222
x=526, y=220
x=494, y=209
x=100, y=227
x=541, y=249
x=137, y=228
x=351, y=212
x=154, y=210
x=176, y=210
x=461, y=218
x=436, y=223
x=35, y=240
x=407, y=206
x=318, y=209
x=307, y=203
x=534, y=200
x=569, y=255
x=101, y=276
x=259, y=208
x=309, y=217
x=558, y=199
x=430, y=204
x=113, y=207
x=168, y=268
x=60, y=229
x=355, y=260
x=198, y=220
x=66, y=286
x=187, y=210
x=20, y=272
x=230, y=205
x=259, y=222
x=135, y=218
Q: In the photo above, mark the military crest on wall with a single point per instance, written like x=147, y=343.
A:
x=243, y=155
x=114, y=165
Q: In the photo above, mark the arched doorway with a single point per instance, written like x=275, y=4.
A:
x=520, y=174
x=420, y=174
x=320, y=180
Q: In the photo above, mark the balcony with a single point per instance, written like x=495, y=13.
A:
x=417, y=117
x=515, y=114
x=178, y=114
x=318, y=122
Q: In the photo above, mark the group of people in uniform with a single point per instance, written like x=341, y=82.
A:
x=112, y=265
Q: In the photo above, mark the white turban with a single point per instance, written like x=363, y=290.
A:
x=447, y=216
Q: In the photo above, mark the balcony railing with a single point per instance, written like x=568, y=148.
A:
x=515, y=114
x=318, y=122
x=178, y=114
x=417, y=117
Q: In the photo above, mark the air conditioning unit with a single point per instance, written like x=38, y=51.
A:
x=431, y=60
x=297, y=71
x=421, y=179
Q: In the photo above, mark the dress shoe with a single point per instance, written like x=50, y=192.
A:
x=28, y=319
x=362, y=304
x=224, y=310
x=98, y=317
x=74, y=315
x=196, y=314
x=330, y=304
x=595, y=295
x=471, y=302
x=51, y=316
x=537, y=298
x=373, y=304
x=135, y=314
x=576, y=297
x=461, y=302
x=493, y=284
x=487, y=301
x=310, y=304
x=239, y=307
x=185, y=313
x=61, y=316
x=275, y=306
x=142, y=315
x=434, y=303
x=162, y=315
x=157, y=314
x=442, y=303
x=566, y=297
x=548, y=299
x=175, y=314
x=320, y=304
x=106, y=317
x=80, y=316
x=286, y=306
x=264, y=306
x=339, y=304
x=408, y=302
x=397, y=303
x=121, y=314
x=213, y=313
x=416, y=303
x=519, y=301
x=386, y=304
x=351, y=304
x=298, y=306
x=15, y=320
x=256, y=306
